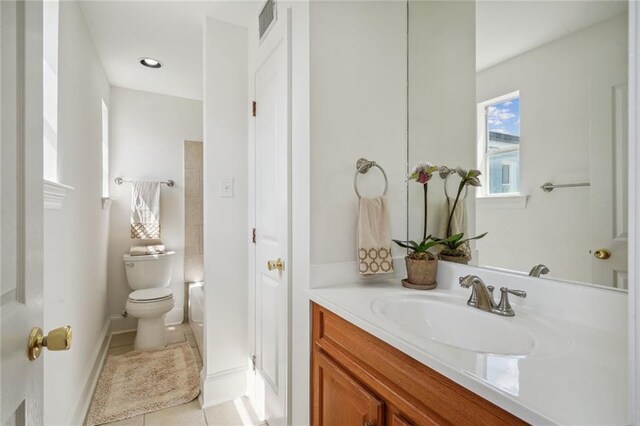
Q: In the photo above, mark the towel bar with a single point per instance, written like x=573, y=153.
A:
x=120, y=181
x=548, y=186
x=362, y=166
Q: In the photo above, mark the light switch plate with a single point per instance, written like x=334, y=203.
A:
x=226, y=187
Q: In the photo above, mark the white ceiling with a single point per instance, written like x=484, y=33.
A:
x=507, y=28
x=170, y=31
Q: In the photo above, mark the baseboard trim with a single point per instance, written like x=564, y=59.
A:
x=91, y=374
x=223, y=386
x=120, y=324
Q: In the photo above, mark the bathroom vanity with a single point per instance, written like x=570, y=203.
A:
x=360, y=379
x=382, y=354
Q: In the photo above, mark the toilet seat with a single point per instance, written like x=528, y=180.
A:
x=150, y=295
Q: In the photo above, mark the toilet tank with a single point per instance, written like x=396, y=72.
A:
x=150, y=271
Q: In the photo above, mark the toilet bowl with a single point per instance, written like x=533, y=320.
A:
x=150, y=306
x=149, y=276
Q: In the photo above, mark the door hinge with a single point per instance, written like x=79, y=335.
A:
x=253, y=361
x=253, y=236
x=253, y=108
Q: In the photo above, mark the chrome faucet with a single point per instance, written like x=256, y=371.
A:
x=537, y=270
x=482, y=296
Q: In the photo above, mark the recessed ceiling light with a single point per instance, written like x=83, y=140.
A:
x=150, y=62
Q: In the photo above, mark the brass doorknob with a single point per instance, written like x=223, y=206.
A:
x=275, y=264
x=602, y=254
x=57, y=340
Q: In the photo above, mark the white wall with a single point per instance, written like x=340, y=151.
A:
x=358, y=85
x=442, y=87
x=147, y=143
x=556, y=82
x=349, y=101
x=226, y=230
x=75, y=239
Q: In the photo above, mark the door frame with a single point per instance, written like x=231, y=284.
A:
x=259, y=51
x=634, y=212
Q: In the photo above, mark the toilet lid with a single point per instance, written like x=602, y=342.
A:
x=150, y=295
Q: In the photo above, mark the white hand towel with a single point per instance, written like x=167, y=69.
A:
x=458, y=221
x=145, y=210
x=374, y=237
x=147, y=250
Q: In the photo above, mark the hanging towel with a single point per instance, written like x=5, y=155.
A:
x=458, y=221
x=145, y=210
x=147, y=250
x=374, y=237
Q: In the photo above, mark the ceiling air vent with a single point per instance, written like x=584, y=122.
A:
x=267, y=17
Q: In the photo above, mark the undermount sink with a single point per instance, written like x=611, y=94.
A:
x=449, y=321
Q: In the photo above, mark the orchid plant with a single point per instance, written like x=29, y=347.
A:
x=467, y=178
x=422, y=174
x=454, y=242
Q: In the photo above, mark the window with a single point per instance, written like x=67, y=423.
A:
x=105, y=150
x=499, y=144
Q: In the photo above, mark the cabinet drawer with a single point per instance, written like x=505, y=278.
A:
x=421, y=395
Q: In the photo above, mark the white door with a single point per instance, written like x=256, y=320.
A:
x=272, y=226
x=609, y=146
x=21, y=208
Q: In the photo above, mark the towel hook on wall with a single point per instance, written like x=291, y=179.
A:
x=363, y=166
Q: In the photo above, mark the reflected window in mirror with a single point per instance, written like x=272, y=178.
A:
x=499, y=145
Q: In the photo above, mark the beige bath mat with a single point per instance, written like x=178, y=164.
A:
x=141, y=382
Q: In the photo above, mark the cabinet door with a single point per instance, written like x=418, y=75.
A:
x=398, y=420
x=339, y=400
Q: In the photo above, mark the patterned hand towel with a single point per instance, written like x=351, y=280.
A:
x=374, y=237
x=145, y=210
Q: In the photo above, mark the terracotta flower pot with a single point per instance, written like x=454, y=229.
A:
x=447, y=257
x=421, y=273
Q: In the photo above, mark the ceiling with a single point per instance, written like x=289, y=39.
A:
x=508, y=28
x=170, y=31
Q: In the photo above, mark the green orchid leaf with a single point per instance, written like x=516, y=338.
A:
x=473, y=238
x=403, y=244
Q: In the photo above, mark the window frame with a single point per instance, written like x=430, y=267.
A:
x=483, y=139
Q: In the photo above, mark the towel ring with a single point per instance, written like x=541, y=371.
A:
x=446, y=193
x=362, y=166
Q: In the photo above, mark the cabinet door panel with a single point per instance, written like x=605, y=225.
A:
x=398, y=420
x=339, y=400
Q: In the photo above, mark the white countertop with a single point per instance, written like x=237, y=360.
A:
x=583, y=384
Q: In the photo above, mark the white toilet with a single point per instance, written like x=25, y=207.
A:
x=149, y=276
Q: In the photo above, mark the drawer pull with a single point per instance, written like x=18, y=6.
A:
x=367, y=423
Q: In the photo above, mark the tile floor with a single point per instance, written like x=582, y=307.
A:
x=233, y=413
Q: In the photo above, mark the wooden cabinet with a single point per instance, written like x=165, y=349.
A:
x=359, y=380
x=341, y=399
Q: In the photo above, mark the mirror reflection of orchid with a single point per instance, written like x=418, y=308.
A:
x=467, y=178
x=454, y=244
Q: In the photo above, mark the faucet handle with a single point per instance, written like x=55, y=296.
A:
x=519, y=293
x=504, y=307
x=464, y=282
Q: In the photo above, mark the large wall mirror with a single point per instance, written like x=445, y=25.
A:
x=534, y=95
